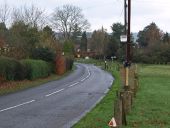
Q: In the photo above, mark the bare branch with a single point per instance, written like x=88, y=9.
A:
x=4, y=13
x=66, y=18
x=32, y=15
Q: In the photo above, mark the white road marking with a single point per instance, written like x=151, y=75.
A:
x=54, y=92
x=106, y=91
x=111, y=82
x=69, y=85
x=73, y=84
x=17, y=105
x=83, y=79
x=86, y=76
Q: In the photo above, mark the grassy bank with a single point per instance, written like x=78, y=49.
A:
x=103, y=112
x=14, y=86
x=151, y=106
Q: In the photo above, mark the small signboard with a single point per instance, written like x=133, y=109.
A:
x=123, y=38
x=112, y=123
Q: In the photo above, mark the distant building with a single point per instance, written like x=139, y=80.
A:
x=58, y=35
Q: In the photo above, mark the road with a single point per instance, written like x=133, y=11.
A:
x=57, y=104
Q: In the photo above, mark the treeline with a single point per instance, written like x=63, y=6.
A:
x=153, y=46
x=30, y=28
x=108, y=45
x=23, y=41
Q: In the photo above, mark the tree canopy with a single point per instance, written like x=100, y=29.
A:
x=67, y=19
x=149, y=35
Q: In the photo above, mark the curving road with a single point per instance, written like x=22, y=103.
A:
x=57, y=104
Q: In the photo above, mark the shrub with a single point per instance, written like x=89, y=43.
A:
x=69, y=63
x=36, y=68
x=63, y=64
x=52, y=67
x=43, y=54
x=68, y=47
x=60, y=65
x=11, y=69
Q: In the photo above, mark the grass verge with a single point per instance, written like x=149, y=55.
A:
x=99, y=116
x=15, y=86
x=151, y=106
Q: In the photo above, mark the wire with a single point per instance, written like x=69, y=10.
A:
x=101, y=5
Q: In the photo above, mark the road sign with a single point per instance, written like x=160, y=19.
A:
x=112, y=123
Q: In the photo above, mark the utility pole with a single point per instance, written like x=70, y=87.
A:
x=125, y=96
x=125, y=17
x=128, y=43
x=129, y=32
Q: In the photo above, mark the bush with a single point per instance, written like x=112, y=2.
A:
x=69, y=63
x=68, y=47
x=11, y=69
x=63, y=64
x=60, y=65
x=36, y=68
x=43, y=54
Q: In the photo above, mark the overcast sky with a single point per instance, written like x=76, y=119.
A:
x=106, y=12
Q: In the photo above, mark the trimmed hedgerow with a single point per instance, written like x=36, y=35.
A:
x=11, y=69
x=36, y=68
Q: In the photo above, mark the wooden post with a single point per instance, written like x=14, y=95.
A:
x=118, y=110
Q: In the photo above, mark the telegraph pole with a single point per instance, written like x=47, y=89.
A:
x=125, y=95
x=128, y=43
x=125, y=17
x=129, y=32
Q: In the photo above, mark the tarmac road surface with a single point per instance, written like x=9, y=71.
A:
x=57, y=104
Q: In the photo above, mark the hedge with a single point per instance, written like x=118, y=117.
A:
x=36, y=68
x=11, y=69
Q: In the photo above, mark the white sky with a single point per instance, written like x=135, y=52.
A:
x=106, y=12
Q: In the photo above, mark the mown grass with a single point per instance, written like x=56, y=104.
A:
x=151, y=108
x=99, y=116
x=15, y=86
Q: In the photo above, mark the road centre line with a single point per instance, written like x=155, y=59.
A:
x=54, y=92
x=28, y=102
x=86, y=76
x=69, y=85
x=82, y=79
x=73, y=84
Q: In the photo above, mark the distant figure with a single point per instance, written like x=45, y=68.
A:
x=106, y=65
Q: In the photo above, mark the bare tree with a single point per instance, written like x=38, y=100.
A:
x=32, y=15
x=4, y=13
x=66, y=18
x=17, y=15
x=99, y=42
